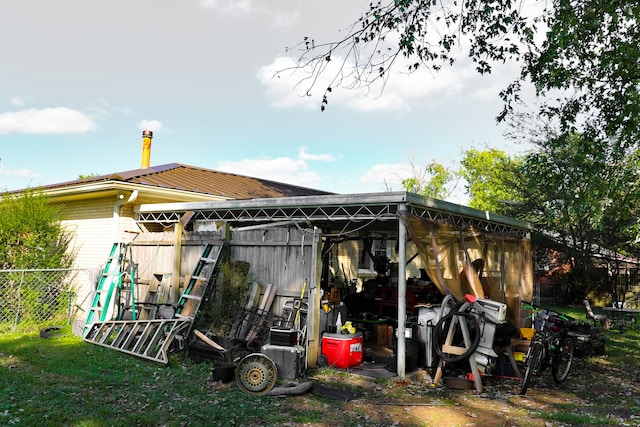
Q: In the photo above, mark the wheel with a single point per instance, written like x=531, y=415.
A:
x=562, y=360
x=532, y=362
x=256, y=374
x=322, y=361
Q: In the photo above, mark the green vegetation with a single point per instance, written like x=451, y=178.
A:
x=434, y=181
x=221, y=308
x=31, y=235
x=64, y=381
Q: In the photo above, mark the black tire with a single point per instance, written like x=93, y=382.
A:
x=323, y=362
x=50, y=332
x=562, y=360
x=442, y=329
x=534, y=357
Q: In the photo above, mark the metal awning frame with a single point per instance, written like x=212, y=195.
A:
x=343, y=213
x=331, y=212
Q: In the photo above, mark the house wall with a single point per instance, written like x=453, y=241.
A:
x=91, y=223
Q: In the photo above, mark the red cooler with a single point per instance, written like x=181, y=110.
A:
x=342, y=350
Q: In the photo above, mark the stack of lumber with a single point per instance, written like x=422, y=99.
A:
x=254, y=321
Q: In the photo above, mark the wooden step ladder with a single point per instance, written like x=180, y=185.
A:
x=103, y=304
x=148, y=339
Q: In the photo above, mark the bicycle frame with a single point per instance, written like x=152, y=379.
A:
x=548, y=348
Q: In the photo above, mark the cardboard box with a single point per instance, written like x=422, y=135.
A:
x=380, y=334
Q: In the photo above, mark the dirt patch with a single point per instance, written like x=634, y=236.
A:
x=594, y=394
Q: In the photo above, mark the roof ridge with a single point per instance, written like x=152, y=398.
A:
x=195, y=179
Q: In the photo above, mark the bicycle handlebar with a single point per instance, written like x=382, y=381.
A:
x=531, y=305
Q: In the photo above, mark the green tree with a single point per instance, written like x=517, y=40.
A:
x=583, y=194
x=432, y=180
x=91, y=175
x=588, y=58
x=490, y=176
x=31, y=235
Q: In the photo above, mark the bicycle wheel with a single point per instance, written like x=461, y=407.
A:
x=562, y=360
x=534, y=357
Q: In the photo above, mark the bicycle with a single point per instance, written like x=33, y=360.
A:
x=550, y=346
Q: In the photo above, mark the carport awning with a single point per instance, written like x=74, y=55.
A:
x=462, y=260
x=334, y=212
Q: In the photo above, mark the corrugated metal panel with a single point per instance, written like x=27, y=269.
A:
x=175, y=176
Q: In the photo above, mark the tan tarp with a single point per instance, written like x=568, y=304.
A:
x=462, y=260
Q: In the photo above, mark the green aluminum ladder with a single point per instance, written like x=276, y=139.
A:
x=194, y=291
x=107, y=287
x=152, y=339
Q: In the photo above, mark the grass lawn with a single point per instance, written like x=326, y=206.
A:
x=64, y=381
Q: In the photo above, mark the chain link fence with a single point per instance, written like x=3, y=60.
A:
x=32, y=298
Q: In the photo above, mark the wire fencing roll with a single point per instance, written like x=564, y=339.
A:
x=32, y=298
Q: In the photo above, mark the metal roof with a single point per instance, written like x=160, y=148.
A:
x=179, y=177
x=348, y=212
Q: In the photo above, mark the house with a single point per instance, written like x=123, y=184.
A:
x=303, y=240
x=101, y=210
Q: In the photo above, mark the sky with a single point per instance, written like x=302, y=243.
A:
x=82, y=79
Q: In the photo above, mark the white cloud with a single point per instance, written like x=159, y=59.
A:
x=18, y=101
x=284, y=18
x=58, y=120
x=229, y=7
x=303, y=155
x=152, y=125
x=387, y=175
x=277, y=18
x=286, y=86
x=282, y=169
x=20, y=173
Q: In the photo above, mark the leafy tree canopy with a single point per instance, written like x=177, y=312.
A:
x=582, y=195
x=583, y=190
x=434, y=180
x=490, y=178
x=582, y=56
x=31, y=235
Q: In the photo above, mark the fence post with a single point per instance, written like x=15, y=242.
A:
x=15, y=323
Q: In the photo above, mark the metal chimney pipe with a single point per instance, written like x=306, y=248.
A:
x=147, y=135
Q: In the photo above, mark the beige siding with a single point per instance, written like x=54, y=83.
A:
x=91, y=223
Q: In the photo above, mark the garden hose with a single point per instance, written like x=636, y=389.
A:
x=443, y=326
